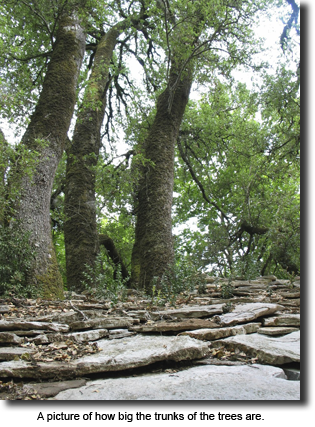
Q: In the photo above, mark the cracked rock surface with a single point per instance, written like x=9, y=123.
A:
x=204, y=347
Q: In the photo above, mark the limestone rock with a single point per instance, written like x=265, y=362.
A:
x=214, y=334
x=253, y=382
x=120, y=333
x=10, y=338
x=268, y=350
x=275, y=331
x=12, y=353
x=282, y=320
x=53, y=388
x=5, y=309
x=189, y=311
x=11, y=325
x=116, y=355
x=85, y=336
x=183, y=325
x=102, y=323
x=243, y=313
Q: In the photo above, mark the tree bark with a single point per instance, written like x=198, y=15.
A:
x=114, y=255
x=80, y=228
x=153, y=250
x=46, y=135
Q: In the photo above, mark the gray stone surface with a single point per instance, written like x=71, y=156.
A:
x=175, y=326
x=214, y=334
x=269, y=350
x=84, y=336
x=102, y=323
x=11, y=325
x=53, y=388
x=11, y=353
x=10, y=338
x=254, y=382
x=243, y=313
x=282, y=320
x=195, y=311
x=276, y=330
x=116, y=355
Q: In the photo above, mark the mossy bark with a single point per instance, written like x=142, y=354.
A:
x=80, y=228
x=153, y=250
x=46, y=135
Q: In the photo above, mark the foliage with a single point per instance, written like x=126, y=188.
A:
x=16, y=259
x=237, y=161
x=105, y=281
x=238, y=174
x=179, y=278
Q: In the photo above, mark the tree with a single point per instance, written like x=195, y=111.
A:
x=80, y=227
x=46, y=135
x=193, y=31
x=241, y=178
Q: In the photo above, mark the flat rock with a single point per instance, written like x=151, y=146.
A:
x=53, y=388
x=102, y=323
x=11, y=325
x=116, y=355
x=269, y=350
x=248, y=382
x=282, y=320
x=84, y=336
x=11, y=353
x=275, y=331
x=5, y=308
x=184, y=325
x=120, y=333
x=243, y=313
x=188, y=311
x=10, y=338
x=214, y=334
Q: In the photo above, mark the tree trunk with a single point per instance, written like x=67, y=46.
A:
x=80, y=228
x=113, y=253
x=46, y=134
x=153, y=250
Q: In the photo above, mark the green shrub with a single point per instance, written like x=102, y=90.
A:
x=16, y=259
x=179, y=278
x=101, y=279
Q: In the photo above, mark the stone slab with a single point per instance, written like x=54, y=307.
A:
x=188, y=311
x=214, y=334
x=102, y=323
x=248, y=382
x=84, y=336
x=53, y=388
x=181, y=325
x=244, y=313
x=282, y=320
x=10, y=338
x=115, y=355
x=11, y=353
x=269, y=350
x=11, y=325
x=275, y=331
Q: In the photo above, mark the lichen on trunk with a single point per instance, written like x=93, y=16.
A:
x=45, y=137
x=153, y=251
x=80, y=228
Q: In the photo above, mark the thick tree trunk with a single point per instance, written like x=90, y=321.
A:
x=80, y=228
x=153, y=250
x=46, y=134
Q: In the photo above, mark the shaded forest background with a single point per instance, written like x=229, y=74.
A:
x=142, y=159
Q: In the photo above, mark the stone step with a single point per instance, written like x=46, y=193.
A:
x=248, y=382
